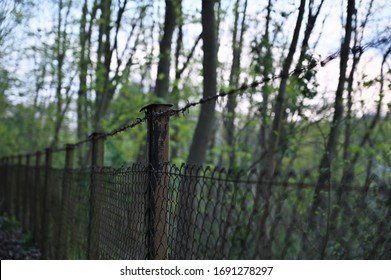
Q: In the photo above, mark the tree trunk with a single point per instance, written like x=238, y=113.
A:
x=264, y=188
x=348, y=170
x=267, y=69
x=274, y=137
x=62, y=102
x=206, y=118
x=83, y=69
x=204, y=129
x=104, y=54
x=163, y=71
x=331, y=148
x=237, y=44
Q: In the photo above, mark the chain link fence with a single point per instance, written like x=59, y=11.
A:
x=192, y=212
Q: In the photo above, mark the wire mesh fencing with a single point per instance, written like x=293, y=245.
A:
x=195, y=212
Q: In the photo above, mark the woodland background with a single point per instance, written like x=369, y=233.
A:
x=72, y=67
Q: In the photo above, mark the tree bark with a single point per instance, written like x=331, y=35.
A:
x=206, y=118
x=267, y=69
x=264, y=188
x=187, y=199
x=274, y=137
x=104, y=55
x=331, y=147
x=237, y=44
x=163, y=71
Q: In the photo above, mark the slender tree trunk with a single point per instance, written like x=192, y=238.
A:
x=107, y=80
x=104, y=55
x=84, y=63
x=346, y=157
x=83, y=68
x=311, y=21
x=163, y=71
x=237, y=44
x=62, y=102
x=267, y=69
x=264, y=187
x=331, y=148
x=348, y=170
x=369, y=132
x=206, y=119
x=274, y=137
x=204, y=129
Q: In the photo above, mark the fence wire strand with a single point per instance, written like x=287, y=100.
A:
x=245, y=86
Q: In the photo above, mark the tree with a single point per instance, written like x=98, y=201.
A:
x=163, y=70
x=269, y=164
x=330, y=154
x=63, y=91
x=265, y=55
x=237, y=46
x=84, y=63
x=204, y=128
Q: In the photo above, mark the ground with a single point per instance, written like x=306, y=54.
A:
x=15, y=245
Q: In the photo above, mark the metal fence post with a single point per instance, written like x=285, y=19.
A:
x=11, y=187
x=45, y=216
x=4, y=185
x=97, y=159
x=158, y=138
x=18, y=187
x=63, y=232
x=35, y=196
x=26, y=193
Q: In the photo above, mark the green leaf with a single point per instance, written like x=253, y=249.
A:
x=161, y=76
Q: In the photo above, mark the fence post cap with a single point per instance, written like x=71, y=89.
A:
x=152, y=105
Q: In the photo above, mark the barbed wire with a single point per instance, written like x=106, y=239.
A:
x=313, y=63
x=133, y=124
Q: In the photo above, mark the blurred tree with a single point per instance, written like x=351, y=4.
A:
x=270, y=159
x=204, y=128
x=237, y=46
x=163, y=69
x=330, y=152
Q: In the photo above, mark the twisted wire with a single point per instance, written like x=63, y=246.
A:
x=313, y=63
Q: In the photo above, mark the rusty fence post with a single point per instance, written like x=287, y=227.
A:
x=158, y=138
x=18, y=187
x=45, y=196
x=65, y=203
x=11, y=187
x=97, y=160
x=35, y=196
x=4, y=183
x=26, y=193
